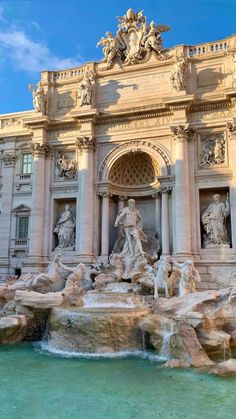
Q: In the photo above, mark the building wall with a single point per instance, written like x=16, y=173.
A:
x=134, y=108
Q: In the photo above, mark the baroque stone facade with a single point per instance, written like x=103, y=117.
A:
x=149, y=123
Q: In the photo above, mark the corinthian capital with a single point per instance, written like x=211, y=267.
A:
x=8, y=158
x=39, y=148
x=231, y=127
x=85, y=143
x=182, y=132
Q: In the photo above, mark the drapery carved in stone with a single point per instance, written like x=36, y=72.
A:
x=8, y=158
x=65, y=167
x=212, y=151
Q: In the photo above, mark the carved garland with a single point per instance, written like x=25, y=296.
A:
x=137, y=146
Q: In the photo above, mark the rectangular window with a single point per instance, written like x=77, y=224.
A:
x=23, y=224
x=27, y=164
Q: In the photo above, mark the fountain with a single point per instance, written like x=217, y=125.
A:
x=116, y=308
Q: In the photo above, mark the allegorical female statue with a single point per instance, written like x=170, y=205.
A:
x=213, y=220
x=65, y=229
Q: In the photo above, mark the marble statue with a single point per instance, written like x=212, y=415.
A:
x=134, y=40
x=177, y=75
x=129, y=219
x=142, y=273
x=75, y=274
x=86, y=88
x=162, y=275
x=39, y=97
x=110, y=48
x=153, y=39
x=65, y=229
x=189, y=276
x=66, y=168
x=213, y=151
x=116, y=268
x=50, y=281
x=213, y=220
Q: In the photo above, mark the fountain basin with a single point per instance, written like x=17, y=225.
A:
x=95, y=330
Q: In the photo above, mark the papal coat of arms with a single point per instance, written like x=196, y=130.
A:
x=135, y=40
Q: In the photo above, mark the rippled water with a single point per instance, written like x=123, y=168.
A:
x=37, y=385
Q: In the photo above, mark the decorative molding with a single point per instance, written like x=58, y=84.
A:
x=157, y=194
x=8, y=158
x=166, y=189
x=182, y=133
x=39, y=148
x=85, y=143
x=136, y=145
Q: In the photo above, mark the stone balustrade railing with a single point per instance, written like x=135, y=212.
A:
x=68, y=74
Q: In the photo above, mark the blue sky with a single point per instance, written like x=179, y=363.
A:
x=50, y=34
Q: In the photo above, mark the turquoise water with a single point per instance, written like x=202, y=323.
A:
x=38, y=385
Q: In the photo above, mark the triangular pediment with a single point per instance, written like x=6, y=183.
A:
x=21, y=208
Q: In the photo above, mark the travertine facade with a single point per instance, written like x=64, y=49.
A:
x=147, y=123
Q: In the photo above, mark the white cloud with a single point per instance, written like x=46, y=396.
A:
x=29, y=55
x=2, y=9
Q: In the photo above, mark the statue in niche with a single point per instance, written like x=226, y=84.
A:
x=65, y=229
x=39, y=97
x=213, y=152
x=86, y=88
x=213, y=220
x=189, y=276
x=66, y=168
x=129, y=219
x=177, y=75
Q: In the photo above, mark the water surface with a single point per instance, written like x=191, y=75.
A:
x=37, y=385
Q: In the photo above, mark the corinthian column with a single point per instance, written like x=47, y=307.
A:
x=37, y=207
x=8, y=163
x=181, y=136
x=105, y=226
x=165, y=223
x=84, y=225
x=231, y=126
x=157, y=197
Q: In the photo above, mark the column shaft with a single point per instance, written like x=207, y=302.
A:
x=105, y=226
x=165, y=222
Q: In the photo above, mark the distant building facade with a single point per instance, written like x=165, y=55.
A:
x=157, y=125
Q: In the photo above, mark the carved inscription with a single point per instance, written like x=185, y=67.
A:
x=139, y=123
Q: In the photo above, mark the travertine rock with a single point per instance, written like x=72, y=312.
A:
x=12, y=329
x=176, y=340
x=225, y=368
x=37, y=300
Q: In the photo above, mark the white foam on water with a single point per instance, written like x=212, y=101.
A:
x=44, y=347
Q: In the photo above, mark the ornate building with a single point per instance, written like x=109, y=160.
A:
x=154, y=124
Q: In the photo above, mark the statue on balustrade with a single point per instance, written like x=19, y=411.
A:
x=66, y=168
x=213, y=219
x=86, y=88
x=129, y=219
x=39, y=98
x=177, y=75
x=65, y=229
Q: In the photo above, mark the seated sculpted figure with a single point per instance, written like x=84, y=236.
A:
x=129, y=219
x=189, y=275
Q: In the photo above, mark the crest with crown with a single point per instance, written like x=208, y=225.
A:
x=134, y=42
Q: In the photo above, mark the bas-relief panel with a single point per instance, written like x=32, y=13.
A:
x=115, y=91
